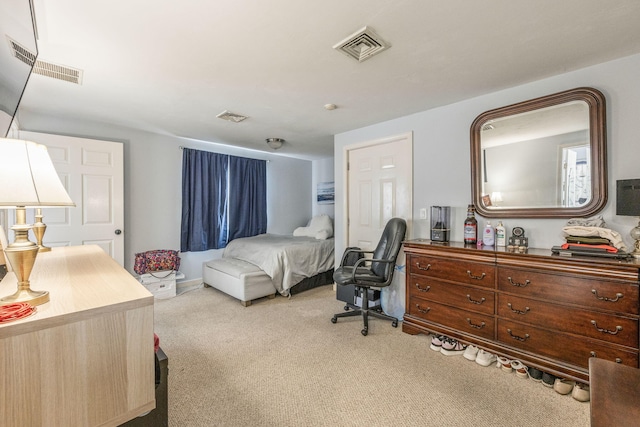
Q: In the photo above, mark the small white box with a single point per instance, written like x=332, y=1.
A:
x=162, y=284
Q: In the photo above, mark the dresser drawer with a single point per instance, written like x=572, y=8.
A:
x=472, y=273
x=464, y=321
x=618, y=296
x=607, y=327
x=465, y=297
x=563, y=347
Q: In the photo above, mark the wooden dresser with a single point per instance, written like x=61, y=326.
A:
x=547, y=311
x=86, y=357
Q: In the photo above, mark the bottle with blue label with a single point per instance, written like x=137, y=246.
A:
x=488, y=235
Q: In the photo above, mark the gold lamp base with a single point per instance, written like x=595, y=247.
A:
x=26, y=295
x=21, y=254
x=39, y=228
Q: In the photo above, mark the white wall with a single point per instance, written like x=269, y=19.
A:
x=153, y=179
x=442, y=150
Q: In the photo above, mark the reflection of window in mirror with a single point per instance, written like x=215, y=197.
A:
x=575, y=186
x=531, y=159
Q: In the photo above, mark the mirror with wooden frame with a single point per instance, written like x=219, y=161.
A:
x=542, y=158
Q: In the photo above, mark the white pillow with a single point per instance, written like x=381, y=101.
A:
x=320, y=227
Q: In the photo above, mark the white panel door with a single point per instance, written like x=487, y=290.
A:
x=380, y=181
x=380, y=187
x=92, y=172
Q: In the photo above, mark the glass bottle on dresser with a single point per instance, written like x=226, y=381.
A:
x=471, y=227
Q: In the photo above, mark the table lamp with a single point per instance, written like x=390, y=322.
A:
x=28, y=179
x=628, y=204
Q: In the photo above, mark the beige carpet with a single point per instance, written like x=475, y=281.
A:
x=281, y=362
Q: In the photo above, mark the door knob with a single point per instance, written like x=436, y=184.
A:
x=118, y=232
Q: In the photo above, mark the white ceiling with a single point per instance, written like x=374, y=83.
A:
x=171, y=66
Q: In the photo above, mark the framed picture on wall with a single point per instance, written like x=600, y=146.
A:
x=326, y=193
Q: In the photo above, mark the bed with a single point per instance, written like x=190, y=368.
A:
x=259, y=266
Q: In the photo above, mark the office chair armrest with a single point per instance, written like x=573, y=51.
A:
x=361, y=261
x=350, y=251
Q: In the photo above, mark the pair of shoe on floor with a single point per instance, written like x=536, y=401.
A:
x=578, y=391
x=481, y=357
x=447, y=346
x=508, y=365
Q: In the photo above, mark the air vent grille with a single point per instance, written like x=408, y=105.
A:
x=60, y=72
x=44, y=68
x=21, y=52
x=231, y=117
x=362, y=45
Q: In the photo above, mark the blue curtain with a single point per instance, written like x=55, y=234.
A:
x=223, y=198
x=247, y=197
x=204, y=200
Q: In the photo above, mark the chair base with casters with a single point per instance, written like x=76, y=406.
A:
x=367, y=273
x=353, y=310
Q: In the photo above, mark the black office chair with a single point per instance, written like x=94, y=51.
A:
x=376, y=272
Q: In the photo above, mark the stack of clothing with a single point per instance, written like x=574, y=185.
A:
x=590, y=236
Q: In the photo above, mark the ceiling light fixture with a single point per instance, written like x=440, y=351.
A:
x=275, y=143
x=330, y=107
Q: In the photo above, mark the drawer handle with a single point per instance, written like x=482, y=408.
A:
x=476, y=277
x=618, y=360
x=423, y=310
x=480, y=326
x=520, y=285
x=526, y=309
x=516, y=337
x=606, y=331
x=618, y=296
x=423, y=268
x=474, y=301
x=427, y=289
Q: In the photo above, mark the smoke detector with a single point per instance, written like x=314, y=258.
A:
x=231, y=117
x=362, y=45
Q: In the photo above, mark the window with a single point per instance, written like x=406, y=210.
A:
x=223, y=198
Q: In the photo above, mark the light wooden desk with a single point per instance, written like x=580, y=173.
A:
x=86, y=357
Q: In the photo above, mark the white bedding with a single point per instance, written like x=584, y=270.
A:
x=286, y=259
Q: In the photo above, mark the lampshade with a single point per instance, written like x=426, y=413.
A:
x=28, y=176
x=28, y=179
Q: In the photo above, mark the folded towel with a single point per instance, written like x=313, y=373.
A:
x=613, y=236
x=591, y=248
x=590, y=240
x=596, y=221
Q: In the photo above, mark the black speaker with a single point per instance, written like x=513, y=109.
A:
x=628, y=197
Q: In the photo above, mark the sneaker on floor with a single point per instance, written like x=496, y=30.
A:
x=563, y=385
x=581, y=392
x=504, y=363
x=484, y=358
x=471, y=352
x=451, y=347
x=535, y=374
x=436, y=342
x=548, y=380
x=520, y=368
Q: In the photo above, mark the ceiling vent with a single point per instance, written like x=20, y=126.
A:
x=60, y=72
x=21, y=52
x=231, y=117
x=362, y=44
x=48, y=69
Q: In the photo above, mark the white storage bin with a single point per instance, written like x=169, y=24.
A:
x=162, y=284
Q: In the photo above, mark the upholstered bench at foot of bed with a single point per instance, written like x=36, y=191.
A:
x=240, y=279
